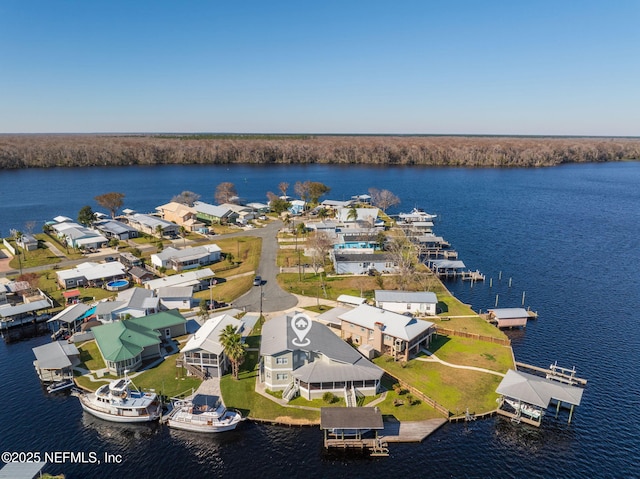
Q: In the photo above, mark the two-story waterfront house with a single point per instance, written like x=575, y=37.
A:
x=386, y=332
x=323, y=364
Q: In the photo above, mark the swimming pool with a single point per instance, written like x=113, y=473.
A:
x=117, y=285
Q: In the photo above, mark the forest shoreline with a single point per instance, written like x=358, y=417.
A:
x=81, y=150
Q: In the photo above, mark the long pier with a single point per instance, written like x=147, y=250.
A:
x=555, y=372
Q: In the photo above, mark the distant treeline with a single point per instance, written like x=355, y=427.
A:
x=46, y=151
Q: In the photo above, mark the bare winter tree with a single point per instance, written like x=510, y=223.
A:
x=403, y=254
x=225, y=193
x=29, y=226
x=112, y=201
x=186, y=198
x=383, y=199
x=283, y=187
x=319, y=245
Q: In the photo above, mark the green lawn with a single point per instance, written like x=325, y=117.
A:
x=90, y=356
x=28, y=259
x=167, y=379
x=469, y=352
x=405, y=411
x=455, y=389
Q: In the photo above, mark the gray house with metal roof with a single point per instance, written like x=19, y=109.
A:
x=363, y=263
x=55, y=361
x=414, y=302
x=326, y=363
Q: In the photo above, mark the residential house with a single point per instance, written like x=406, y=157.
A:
x=204, y=350
x=363, y=263
x=366, y=216
x=324, y=364
x=27, y=242
x=199, y=279
x=115, y=229
x=414, y=302
x=78, y=236
x=90, y=274
x=126, y=344
x=245, y=213
x=180, y=214
x=212, y=214
x=129, y=260
x=140, y=275
x=152, y=225
x=55, y=361
x=130, y=303
x=187, y=258
x=259, y=208
x=386, y=332
x=335, y=204
x=175, y=297
x=297, y=207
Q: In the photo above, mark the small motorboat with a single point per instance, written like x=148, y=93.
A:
x=60, y=385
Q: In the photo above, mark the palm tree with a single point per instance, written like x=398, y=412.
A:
x=183, y=233
x=322, y=214
x=234, y=348
x=353, y=213
x=159, y=231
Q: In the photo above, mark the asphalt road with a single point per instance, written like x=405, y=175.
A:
x=274, y=298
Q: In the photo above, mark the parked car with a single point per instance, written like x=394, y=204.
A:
x=257, y=281
x=109, y=259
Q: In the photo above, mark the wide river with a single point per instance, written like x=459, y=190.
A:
x=568, y=237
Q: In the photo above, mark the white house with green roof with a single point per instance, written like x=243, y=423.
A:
x=126, y=344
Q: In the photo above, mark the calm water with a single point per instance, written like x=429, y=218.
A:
x=567, y=237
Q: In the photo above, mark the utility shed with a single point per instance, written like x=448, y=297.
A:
x=530, y=395
x=509, y=317
x=347, y=427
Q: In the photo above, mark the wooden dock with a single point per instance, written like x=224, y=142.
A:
x=555, y=372
x=409, y=431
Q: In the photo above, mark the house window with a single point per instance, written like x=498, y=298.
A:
x=282, y=360
x=282, y=376
x=267, y=374
x=362, y=330
x=408, y=306
x=388, y=338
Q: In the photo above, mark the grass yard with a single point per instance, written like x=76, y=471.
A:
x=167, y=379
x=455, y=389
x=245, y=250
x=469, y=352
x=240, y=394
x=397, y=405
x=90, y=356
x=335, y=285
x=227, y=291
x=38, y=257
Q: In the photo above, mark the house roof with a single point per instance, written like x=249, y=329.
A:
x=394, y=324
x=70, y=313
x=321, y=371
x=55, y=355
x=22, y=470
x=152, y=222
x=190, y=278
x=333, y=315
x=341, y=360
x=447, y=263
x=126, y=339
x=95, y=239
x=207, y=338
x=7, y=311
x=221, y=211
x=187, y=254
x=355, y=300
x=138, y=272
x=509, y=313
x=114, y=227
x=389, y=296
x=177, y=208
x=92, y=271
x=364, y=214
x=175, y=292
x=430, y=238
x=106, y=307
x=137, y=298
x=537, y=390
x=360, y=257
x=351, y=418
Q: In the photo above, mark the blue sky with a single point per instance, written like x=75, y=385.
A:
x=557, y=67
